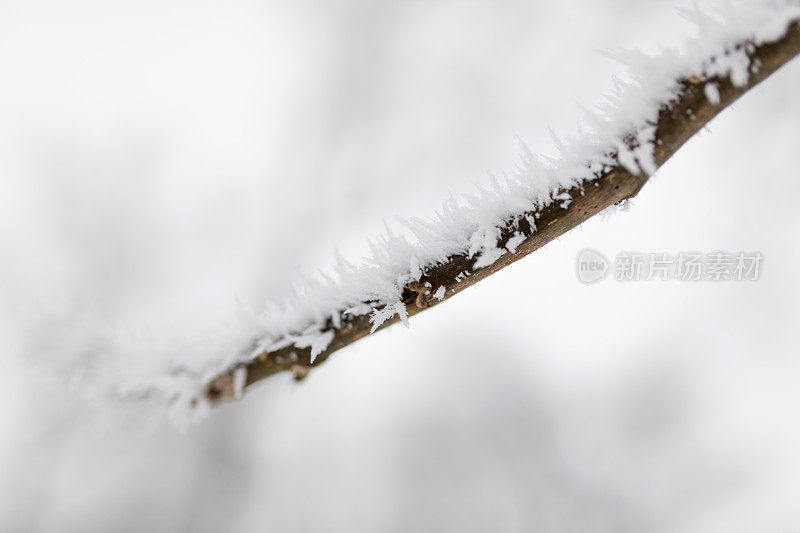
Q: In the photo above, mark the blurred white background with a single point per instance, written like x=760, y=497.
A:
x=161, y=160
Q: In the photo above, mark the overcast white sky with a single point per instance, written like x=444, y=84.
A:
x=161, y=161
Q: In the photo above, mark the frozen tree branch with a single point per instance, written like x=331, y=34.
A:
x=647, y=122
x=700, y=99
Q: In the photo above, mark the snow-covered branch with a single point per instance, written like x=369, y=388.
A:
x=644, y=122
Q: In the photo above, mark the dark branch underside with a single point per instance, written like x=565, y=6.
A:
x=676, y=125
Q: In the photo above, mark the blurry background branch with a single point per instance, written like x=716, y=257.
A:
x=676, y=124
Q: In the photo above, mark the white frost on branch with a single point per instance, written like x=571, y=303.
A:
x=381, y=315
x=712, y=93
x=313, y=338
x=439, y=294
x=619, y=131
x=515, y=241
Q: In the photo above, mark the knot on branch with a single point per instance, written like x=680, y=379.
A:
x=300, y=371
x=222, y=387
x=421, y=293
x=228, y=385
